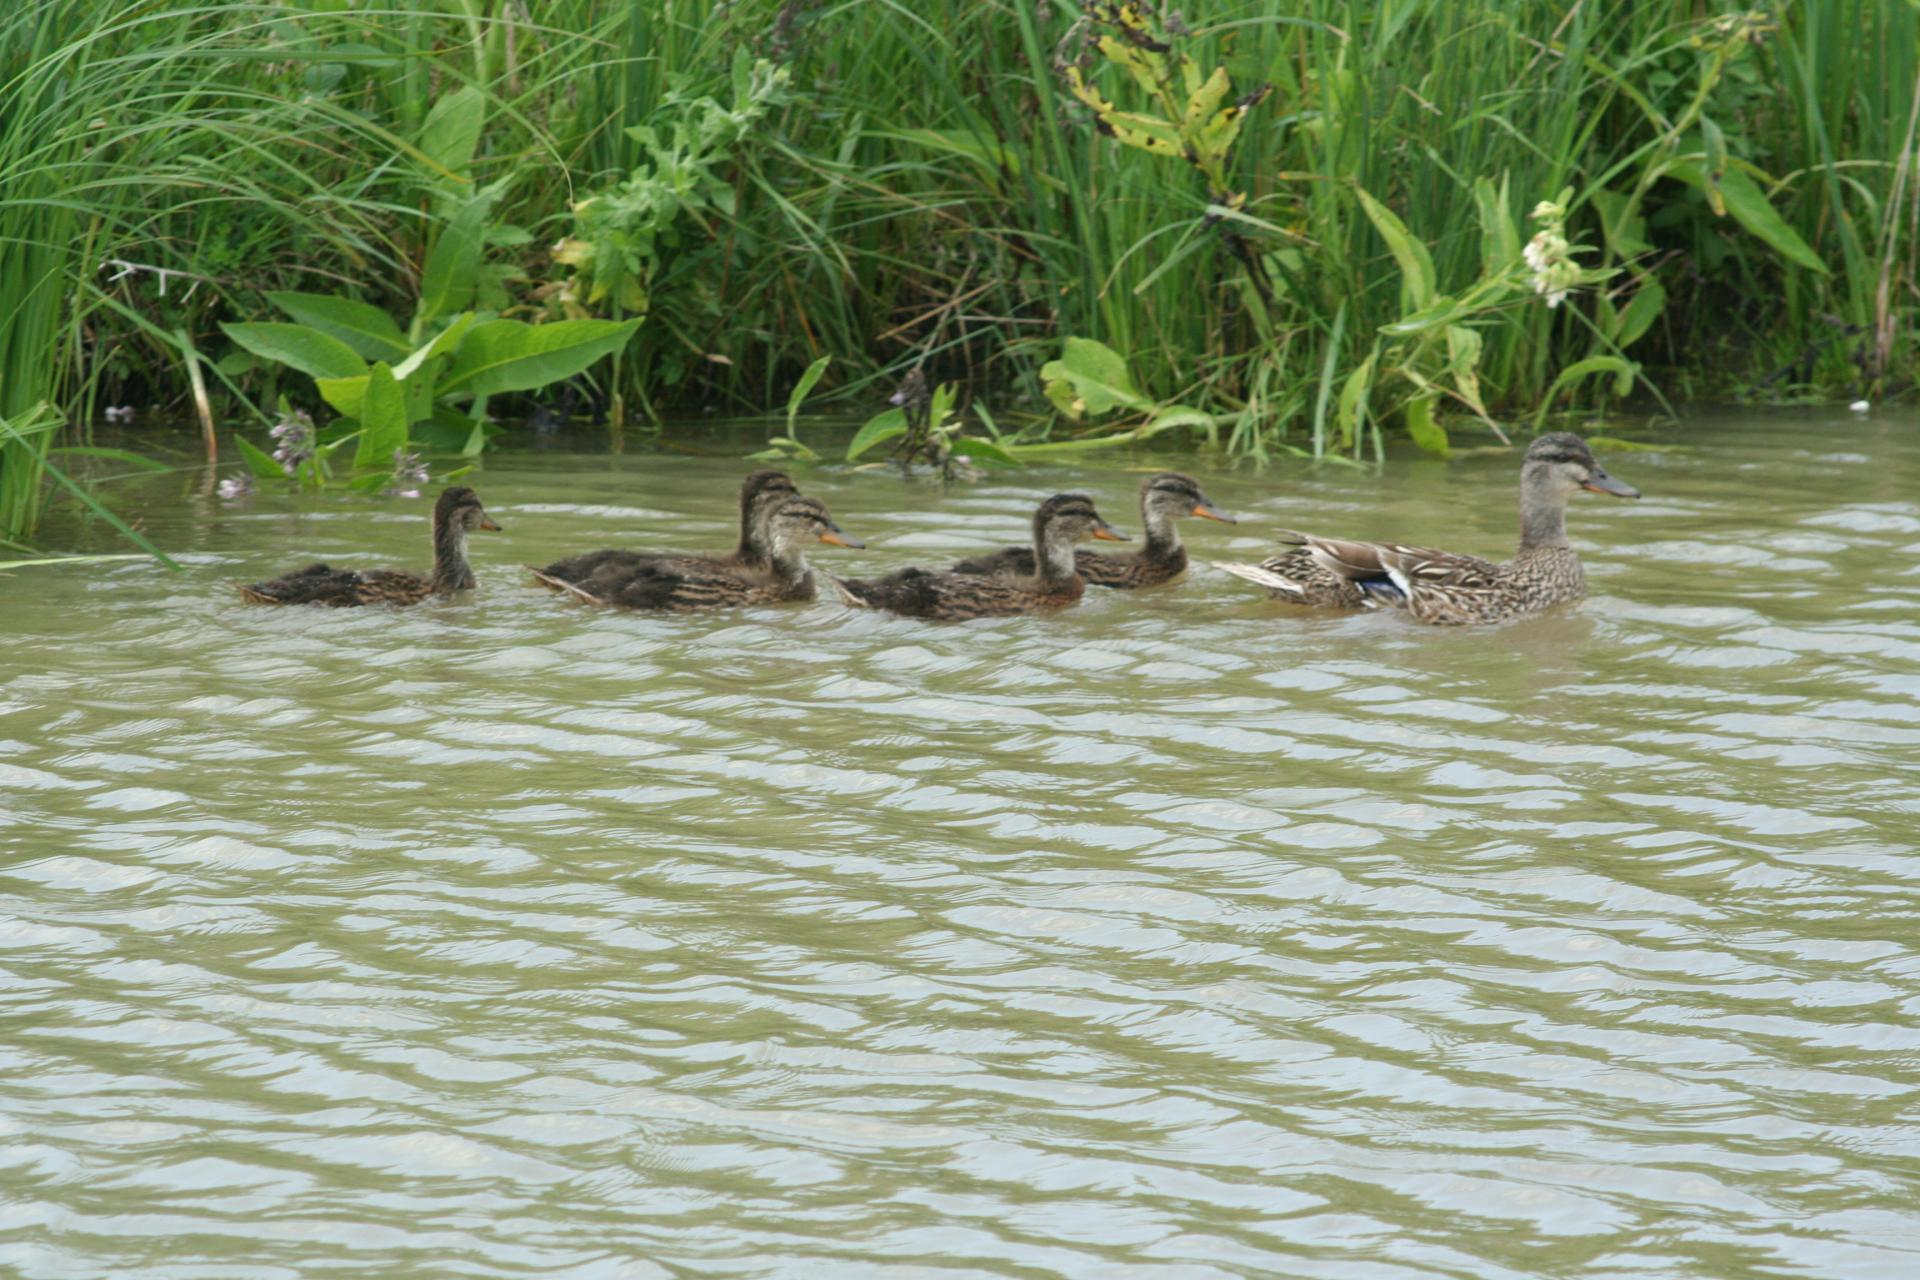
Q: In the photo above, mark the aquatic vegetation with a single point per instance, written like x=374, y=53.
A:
x=925, y=427
x=663, y=214
x=962, y=188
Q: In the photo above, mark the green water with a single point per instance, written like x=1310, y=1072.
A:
x=1179, y=935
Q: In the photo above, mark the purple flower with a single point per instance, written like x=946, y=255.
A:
x=237, y=486
x=294, y=434
x=409, y=473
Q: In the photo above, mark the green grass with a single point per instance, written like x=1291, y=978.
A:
x=932, y=192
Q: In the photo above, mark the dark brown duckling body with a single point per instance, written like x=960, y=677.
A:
x=685, y=584
x=1061, y=521
x=455, y=514
x=1162, y=557
x=760, y=493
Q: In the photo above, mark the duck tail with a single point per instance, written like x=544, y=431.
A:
x=852, y=591
x=561, y=585
x=1260, y=575
x=252, y=594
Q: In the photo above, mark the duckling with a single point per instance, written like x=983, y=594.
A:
x=760, y=493
x=1061, y=521
x=457, y=512
x=1445, y=588
x=1164, y=499
x=685, y=583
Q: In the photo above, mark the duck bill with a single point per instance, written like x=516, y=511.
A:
x=1107, y=533
x=1601, y=482
x=835, y=536
x=1207, y=511
x=486, y=522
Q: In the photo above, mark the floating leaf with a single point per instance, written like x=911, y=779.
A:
x=983, y=450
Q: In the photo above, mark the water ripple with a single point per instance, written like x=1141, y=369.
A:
x=1175, y=936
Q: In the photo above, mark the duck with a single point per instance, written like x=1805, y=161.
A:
x=683, y=584
x=1445, y=588
x=1060, y=522
x=760, y=493
x=1164, y=499
x=456, y=513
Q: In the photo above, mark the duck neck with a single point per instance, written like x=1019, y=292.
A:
x=451, y=572
x=1543, y=512
x=789, y=564
x=748, y=551
x=1053, y=554
x=1162, y=532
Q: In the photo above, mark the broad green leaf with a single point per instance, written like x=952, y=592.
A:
x=1752, y=210
x=882, y=426
x=1638, y=315
x=452, y=129
x=383, y=421
x=370, y=331
x=1626, y=236
x=1416, y=266
x=983, y=450
x=1179, y=415
x=507, y=355
x=1353, y=399
x=1444, y=311
x=1716, y=171
x=447, y=281
x=986, y=419
x=1463, y=363
x=1428, y=434
x=258, y=460
x=1499, y=238
x=1090, y=379
x=419, y=392
x=444, y=343
x=1623, y=371
x=316, y=354
x=802, y=387
x=345, y=394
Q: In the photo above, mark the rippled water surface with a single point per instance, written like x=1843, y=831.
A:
x=1179, y=935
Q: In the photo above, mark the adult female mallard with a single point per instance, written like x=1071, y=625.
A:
x=760, y=493
x=457, y=512
x=1061, y=521
x=1164, y=499
x=1443, y=587
x=685, y=583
